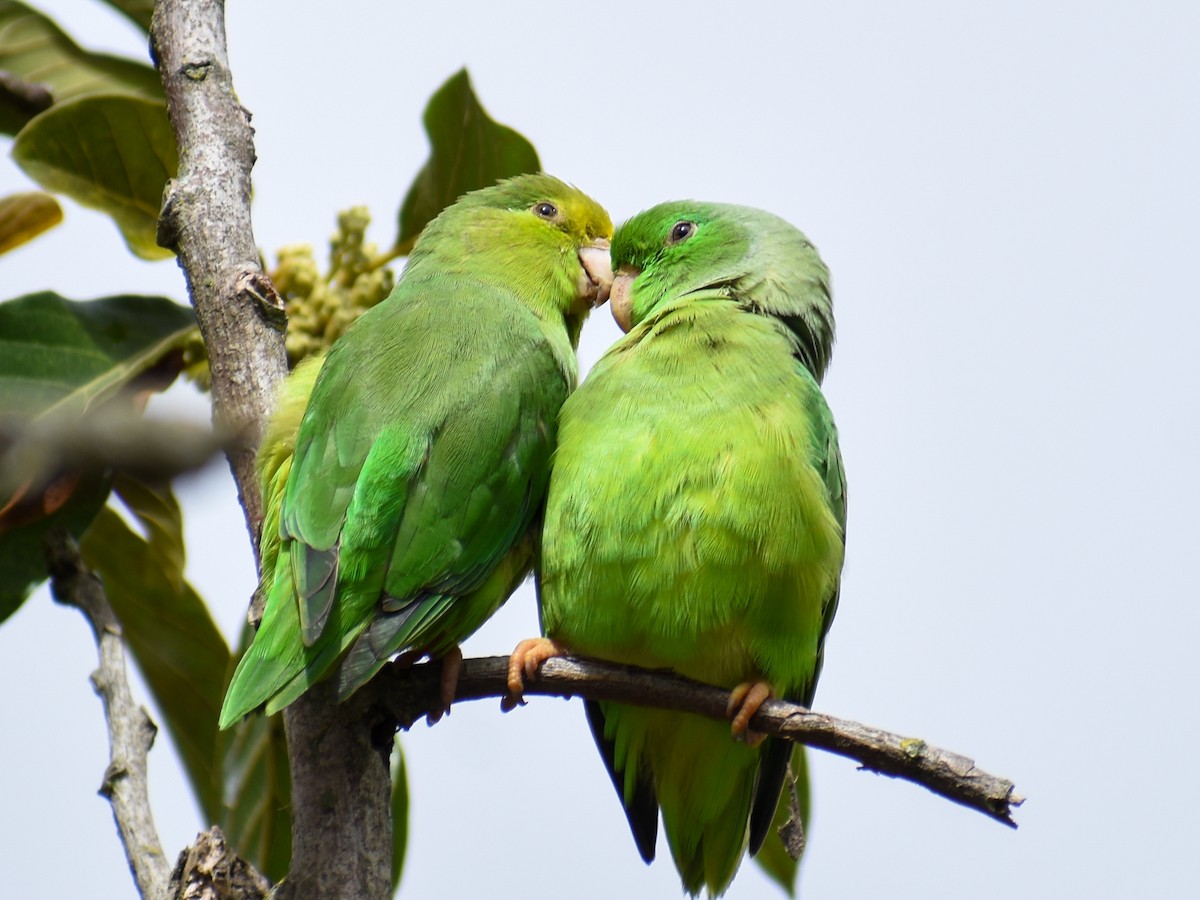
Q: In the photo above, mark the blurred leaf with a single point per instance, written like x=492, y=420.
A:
x=178, y=648
x=22, y=558
x=257, y=816
x=399, y=812
x=20, y=101
x=59, y=355
x=773, y=857
x=137, y=11
x=24, y=216
x=110, y=152
x=45, y=66
x=63, y=357
x=468, y=151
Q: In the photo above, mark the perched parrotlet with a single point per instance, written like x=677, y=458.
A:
x=696, y=518
x=404, y=472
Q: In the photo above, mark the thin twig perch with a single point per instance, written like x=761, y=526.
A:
x=411, y=693
x=130, y=730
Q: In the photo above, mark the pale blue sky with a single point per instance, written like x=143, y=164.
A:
x=1007, y=197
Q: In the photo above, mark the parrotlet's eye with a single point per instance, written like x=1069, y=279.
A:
x=545, y=210
x=681, y=231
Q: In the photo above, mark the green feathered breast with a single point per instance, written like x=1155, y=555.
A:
x=399, y=512
x=696, y=515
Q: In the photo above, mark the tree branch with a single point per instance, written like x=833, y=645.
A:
x=209, y=870
x=130, y=730
x=344, y=790
x=206, y=220
x=33, y=452
x=411, y=693
x=338, y=757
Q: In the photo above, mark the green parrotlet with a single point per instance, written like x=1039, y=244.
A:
x=404, y=473
x=696, y=517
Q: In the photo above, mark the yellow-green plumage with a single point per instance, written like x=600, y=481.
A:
x=696, y=513
x=403, y=475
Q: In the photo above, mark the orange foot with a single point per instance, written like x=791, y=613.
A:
x=744, y=701
x=524, y=662
x=447, y=685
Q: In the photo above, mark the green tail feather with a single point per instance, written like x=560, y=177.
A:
x=264, y=670
x=705, y=784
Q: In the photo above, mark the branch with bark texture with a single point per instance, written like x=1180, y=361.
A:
x=205, y=220
x=210, y=870
x=341, y=786
x=35, y=452
x=130, y=730
x=411, y=693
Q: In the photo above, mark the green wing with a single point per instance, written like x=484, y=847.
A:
x=826, y=458
x=419, y=465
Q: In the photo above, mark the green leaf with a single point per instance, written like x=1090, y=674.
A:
x=45, y=66
x=69, y=503
x=257, y=815
x=773, y=857
x=20, y=101
x=469, y=151
x=110, y=152
x=137, y=11
x=166, y=625
x=24, y=216
x=59, y=355
x=399, y=812
x=64, y=357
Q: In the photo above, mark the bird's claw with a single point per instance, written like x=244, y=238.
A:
x=744, y=701
x=447, y=685
x=523, y=664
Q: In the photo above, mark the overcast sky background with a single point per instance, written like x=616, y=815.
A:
x=1009, y=202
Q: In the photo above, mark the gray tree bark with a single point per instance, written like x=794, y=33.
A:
x=130, y=731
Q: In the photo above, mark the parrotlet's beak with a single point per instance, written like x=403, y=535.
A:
x=622, y=296
x=596, y=281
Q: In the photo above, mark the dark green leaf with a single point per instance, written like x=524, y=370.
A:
x=70, y=504
x=63, y=357
x=20, y=101
x=399, y=812
x=59, y=355
x=24, y=216
x=45, y=66
x=166, y=625
x=773, y=857
x=469, y=151
x=109, y=152
x=137, y=11
x=257, y=816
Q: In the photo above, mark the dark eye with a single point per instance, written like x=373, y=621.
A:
x=545, y=210
x=681, y=231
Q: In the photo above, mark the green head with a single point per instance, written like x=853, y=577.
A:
x=546, y=239
x=685, y=249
